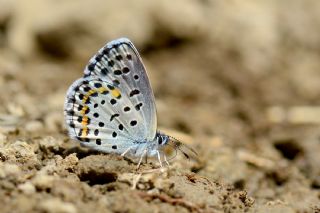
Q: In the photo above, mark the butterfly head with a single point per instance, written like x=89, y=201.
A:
x=162, y=139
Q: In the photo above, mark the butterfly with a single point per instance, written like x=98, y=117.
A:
x=112, y=107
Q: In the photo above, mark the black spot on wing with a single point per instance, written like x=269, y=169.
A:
x=138, y=106
x=104, y=71
x=114, y=134
x=111, y=63
x=116, y=82
x=94, y=94
x=126, y=109
x=86, y=88
x=97, y=85
x=70, y=112
x=113, y=101
x=119, y=57
x=99, y=57
x=98, y=141
x=110, y=87
x=87, y=101
x=133, y=122
x=91, y=67
x=114, y=116
x=96, y=132
x=120, y=127
x=87, y=111
x=71, y=100
x=134, y=92
x=125, y=70
x=117, y=72
x=72, y=125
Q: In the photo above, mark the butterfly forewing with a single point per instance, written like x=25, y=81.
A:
x=119, y=63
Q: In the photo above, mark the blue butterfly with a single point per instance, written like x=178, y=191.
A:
x=112, y=107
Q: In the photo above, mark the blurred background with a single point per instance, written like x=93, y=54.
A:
x=237, y=80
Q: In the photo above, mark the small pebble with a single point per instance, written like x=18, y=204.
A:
x=55, y=205
x=27, y=188
x=34, y=126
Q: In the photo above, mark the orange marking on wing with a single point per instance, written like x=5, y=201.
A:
x=115, y=93
x=84, y=121
x=83, y=111
x=102, y=89
x=90, y=92
x=84, y=100
x=84, y=132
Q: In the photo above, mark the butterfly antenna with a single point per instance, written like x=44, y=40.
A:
x=178, y=145
x=176, y=152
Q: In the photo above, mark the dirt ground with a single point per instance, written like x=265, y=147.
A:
x=239, y=81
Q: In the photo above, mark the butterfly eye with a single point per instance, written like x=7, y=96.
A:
x=160, y=140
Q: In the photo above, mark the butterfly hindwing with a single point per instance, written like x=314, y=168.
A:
x=99, y=115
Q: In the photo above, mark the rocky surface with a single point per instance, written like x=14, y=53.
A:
x=237, y=81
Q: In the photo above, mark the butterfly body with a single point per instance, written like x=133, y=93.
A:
x=148, y=148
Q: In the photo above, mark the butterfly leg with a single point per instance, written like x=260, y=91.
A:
x=125, y=152
x=143, y=154
x=159, y=159
x=165, y=159
x=146, y=158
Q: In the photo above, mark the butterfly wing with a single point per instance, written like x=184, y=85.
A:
x=120, y=63
x=99, y=115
